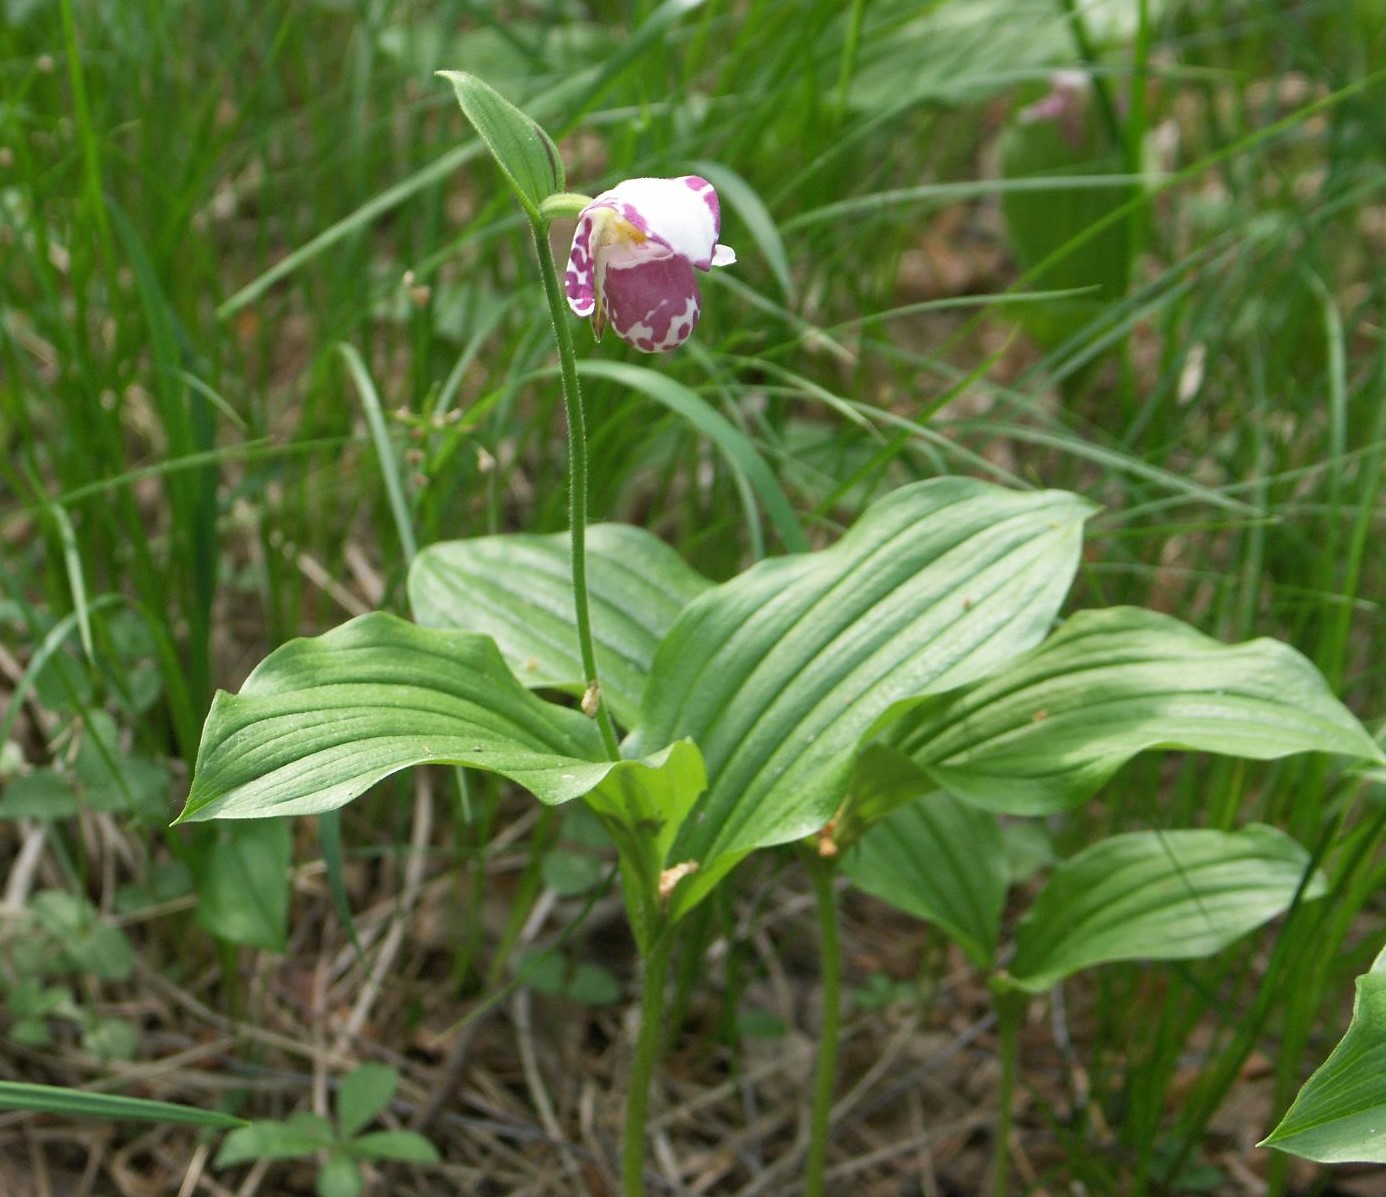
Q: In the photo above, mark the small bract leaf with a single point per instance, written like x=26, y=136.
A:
x=564, y=205
x=1159, y=895
x=643, y=806
x=1339, y=1116
x=518, y=589
x=524, y=152
x=1045, y=733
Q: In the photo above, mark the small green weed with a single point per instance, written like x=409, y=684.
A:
x=343, y=1147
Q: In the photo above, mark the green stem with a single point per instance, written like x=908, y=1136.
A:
x=642, y=1067
x=577, y=478
x=1010, y=1008
x=830, y=951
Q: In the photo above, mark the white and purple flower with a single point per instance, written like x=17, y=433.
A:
x=633, y=259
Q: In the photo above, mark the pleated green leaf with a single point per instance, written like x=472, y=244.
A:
x=518, y=590
x=1158, y=895
x=778, y=674
x=1339, y=1116
x=941, y=860
x=323, y=719
x=1045, y=733
x=523, y=151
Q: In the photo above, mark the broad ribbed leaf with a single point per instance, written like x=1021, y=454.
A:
x=1158, y=895
x=939, y=859
x=522, y=150
x=1340, y=1115
x=1046, y=732
x=778, y=674
x=321, y=720
x=518, y=590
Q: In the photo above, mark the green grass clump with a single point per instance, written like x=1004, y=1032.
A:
x=200, y=205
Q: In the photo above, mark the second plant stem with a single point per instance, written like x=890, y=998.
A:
x=577, y=478
x=1010, y=1009
x=830, y=951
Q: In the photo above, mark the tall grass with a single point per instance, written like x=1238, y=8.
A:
x=198, y=203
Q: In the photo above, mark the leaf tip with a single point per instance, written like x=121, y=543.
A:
x=194, y=809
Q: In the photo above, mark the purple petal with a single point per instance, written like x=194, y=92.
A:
x=579, y=276
x=653, y=302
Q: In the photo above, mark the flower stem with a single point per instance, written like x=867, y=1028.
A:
x=830, y=952
x=577, y=480
x=642, y=1067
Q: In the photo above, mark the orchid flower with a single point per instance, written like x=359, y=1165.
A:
x=633, y=259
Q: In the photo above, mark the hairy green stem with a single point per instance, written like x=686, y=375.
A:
x=830, y=951
x=577, y=483
x=642, y=1067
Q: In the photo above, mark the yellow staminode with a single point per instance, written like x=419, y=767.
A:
x=610, y=228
